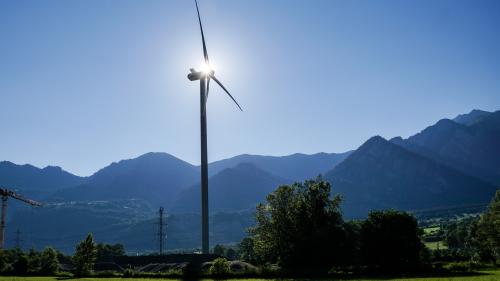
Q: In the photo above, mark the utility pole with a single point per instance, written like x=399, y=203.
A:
x=18, y=239
x=162, y=224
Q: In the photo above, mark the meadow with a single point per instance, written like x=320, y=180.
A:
x=481, y=276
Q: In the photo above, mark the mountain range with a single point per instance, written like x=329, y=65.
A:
x=36, y=182
x=382, y=175
x=154, y=177
x=470, y=145
x=455, y=162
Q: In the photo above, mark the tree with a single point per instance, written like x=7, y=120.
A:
x=3, y=261
x=21, y=265
x=219, y=250
x=105, y=251
x=85, y=256
x=390, y=241
x=34, y=261
x=488, y=229
x=352, y=244
x=49, y=262
x=231, y=254
x=246, y=250
x=9, y=258
x=461, y=235
x=477, y=238
x=300, y=226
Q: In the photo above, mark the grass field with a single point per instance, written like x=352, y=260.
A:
x=483, y=276
x=431, y=230
x=436, y=245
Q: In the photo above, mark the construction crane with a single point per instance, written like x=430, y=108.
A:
x=5, y=193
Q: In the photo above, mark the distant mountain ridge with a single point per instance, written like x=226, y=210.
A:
x=155, y=177
x=35, y=181
x=472, y=149
x=381, y=175
x=295, y=167
x=468, y=144
x=471, y=118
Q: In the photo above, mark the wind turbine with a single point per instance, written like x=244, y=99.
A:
x=205, y=75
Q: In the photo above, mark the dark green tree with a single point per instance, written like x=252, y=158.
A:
x=231, y=254
x=476, y=238
x=246, y=251
x=461, y=235
x=85, y=256
x=390, y=241
x=219, y=250
x=21, y=265
x=9, y=258
x=49, y=262
x=3, y=261
x=488, y=230
x=105, y=251
x=34, y=261
x=352, y=246
x=300, y=226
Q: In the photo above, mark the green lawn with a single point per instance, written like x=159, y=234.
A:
x=485, y=276
x=436, y=245
x=431, y=230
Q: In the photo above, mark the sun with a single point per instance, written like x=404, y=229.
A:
x=206, y=68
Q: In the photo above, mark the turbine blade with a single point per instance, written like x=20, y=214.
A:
x=205, y=53
x=225, y=90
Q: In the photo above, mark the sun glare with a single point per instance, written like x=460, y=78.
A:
x=206, y=68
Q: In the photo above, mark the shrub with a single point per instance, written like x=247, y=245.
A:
x=129, y=273
x=461, y=266
x=106, y=274
x=220, y=267
x=269, y=270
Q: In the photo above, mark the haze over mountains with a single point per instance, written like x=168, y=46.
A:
x=295, y=167
x=451, y=163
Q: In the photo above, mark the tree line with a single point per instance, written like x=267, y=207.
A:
x=300, y=228
x=48, y=261
x=474, y=239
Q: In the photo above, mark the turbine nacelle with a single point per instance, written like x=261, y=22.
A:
x=197, y=75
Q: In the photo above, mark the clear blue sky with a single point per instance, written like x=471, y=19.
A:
x=85, y=83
